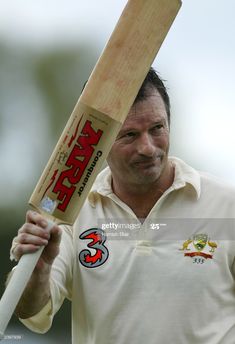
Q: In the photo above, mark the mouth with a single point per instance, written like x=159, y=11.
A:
x=148, y=162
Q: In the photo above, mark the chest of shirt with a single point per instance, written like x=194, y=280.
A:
x=110, y=236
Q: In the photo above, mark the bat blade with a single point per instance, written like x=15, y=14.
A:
x=102, y=108
x=74, y=164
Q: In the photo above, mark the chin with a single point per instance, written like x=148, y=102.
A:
x=147, y=178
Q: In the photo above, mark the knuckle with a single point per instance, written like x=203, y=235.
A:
x=26, y=227
x=15, y=241
x=29, y=215
x=19, y=251
x=29, y=212
x=22, y=229
x=22, y=238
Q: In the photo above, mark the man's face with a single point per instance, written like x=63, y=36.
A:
x=140, y=152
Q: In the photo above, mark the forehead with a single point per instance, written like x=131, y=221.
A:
x=152, y=109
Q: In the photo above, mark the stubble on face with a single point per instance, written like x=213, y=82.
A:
x=146, y=170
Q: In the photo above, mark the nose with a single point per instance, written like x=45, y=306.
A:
x=145, y=145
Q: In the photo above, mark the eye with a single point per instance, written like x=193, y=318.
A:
x=130, y=134
x=157, y=129
x=159, y=126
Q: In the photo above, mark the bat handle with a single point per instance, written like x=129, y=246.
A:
x=17, y=284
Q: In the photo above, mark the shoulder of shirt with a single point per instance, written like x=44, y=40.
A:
x=217, y=184
x=184, y=174
x=205, y=181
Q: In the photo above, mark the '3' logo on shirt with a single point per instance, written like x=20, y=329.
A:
x=101, y=253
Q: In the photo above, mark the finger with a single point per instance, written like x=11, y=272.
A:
x=34, y=230
x=36, y=218
x=21, y=249
x=29, y=239
x=55, y=234
x=54, y=241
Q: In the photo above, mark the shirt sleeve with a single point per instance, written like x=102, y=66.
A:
x=60, y=286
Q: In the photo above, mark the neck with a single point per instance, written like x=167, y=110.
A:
x=142, y=198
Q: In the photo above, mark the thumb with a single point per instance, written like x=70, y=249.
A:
x=51, y=250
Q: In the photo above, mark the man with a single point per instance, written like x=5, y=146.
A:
x=172, y=282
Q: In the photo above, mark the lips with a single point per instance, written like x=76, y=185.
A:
x=147, y=162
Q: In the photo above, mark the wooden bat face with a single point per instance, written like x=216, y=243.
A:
x=102, y=108
x=71, y=170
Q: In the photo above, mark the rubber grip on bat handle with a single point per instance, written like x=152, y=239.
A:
x=17, y=284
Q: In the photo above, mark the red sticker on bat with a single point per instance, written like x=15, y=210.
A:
x=77, y=162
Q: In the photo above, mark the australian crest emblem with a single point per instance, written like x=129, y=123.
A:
x=199, y=248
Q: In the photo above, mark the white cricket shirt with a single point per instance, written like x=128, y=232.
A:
x=168, y=281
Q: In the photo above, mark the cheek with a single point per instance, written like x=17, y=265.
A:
x=162, y=142
x=119, y=155
x=114, y=155
x=119, y=150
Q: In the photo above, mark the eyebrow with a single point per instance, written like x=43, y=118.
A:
x=123, y=131
x=129, y=129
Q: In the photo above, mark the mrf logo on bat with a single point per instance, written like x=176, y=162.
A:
x=71, y=166
x=74, y=164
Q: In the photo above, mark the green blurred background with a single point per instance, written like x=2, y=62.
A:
x=46, y=85
x=47, y=51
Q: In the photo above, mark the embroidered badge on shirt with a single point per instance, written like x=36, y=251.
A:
x=199, y=248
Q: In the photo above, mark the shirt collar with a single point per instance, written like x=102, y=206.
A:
x=185, y=176
x=102, y=185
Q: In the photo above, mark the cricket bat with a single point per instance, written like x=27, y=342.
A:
x=93, y=126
